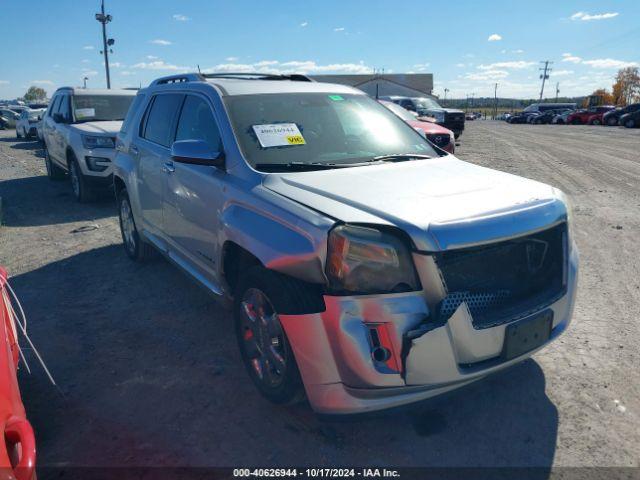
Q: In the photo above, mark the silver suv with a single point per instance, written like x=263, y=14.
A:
x=79, y=131
x=365, y=267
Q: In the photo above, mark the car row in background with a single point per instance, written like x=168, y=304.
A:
x=430, y=110
x=566, y=113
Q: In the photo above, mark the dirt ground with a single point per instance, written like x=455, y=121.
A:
x=148, y=371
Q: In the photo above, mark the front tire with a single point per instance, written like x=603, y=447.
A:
x=260, y=297
x=18, y=133
x=136, y=248
x=630, y=123
x=576, y=121
x=612, y=122
x=79, y=185
x=53, y=171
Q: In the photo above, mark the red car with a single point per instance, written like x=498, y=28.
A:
x=596, y=118
x=441, y=137
x=581, y=117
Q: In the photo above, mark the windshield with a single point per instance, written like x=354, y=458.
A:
x=426, y=103
x=399, y=111
x=35, y=114
x=90, y=108
x=317, y=128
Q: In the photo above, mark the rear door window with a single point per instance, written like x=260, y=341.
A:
x=161, y=120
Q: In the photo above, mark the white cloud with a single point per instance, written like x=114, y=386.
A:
x=158, y=65
x=88, y=47
x=567, y=57
x=516, y=65
x=519, y=50
x=126, y=73
x=4, y=82
x=304, y=24
x=89, y=73
x=609, y=63
x=338, y=29
x=159, y=41
x=461, y=65
x=487, y=75
x=231, y=59
x=86, y=61
x=152, y=57
x=494, y=38
x=421, y=67
x=561, y=73
x=291, y=66
x=116, y=65
x=181, y=18
x=585, y=17
x=42, y=82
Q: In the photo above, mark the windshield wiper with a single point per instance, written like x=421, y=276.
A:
x=399, y=157
x=302, y=166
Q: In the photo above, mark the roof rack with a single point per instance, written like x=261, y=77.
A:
x=183, y=77
x=296, y=77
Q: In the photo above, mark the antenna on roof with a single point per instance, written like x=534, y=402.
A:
x=199, y=69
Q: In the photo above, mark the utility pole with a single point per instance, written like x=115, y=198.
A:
x=446, y=90
x=557, y=90
x=85, y=82
x=544, y=75
x=495, y=101
x=104, y=19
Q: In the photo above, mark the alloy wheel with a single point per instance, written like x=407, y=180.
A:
x=263, y=338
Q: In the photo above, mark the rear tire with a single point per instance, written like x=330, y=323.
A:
x=260, y=296
x=630, y=123
x=612, y=122
x=136, y=248
x=18, y=133
x=576, y=121
x=596, y=122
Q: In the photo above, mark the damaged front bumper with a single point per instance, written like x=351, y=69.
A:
x=366, y=353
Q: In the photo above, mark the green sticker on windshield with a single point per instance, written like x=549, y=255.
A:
x=336, y=98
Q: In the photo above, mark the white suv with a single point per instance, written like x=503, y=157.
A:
x=79, y=131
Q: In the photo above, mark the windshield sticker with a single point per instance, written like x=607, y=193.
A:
x=85, y=113
x=336, y=98
x=278, y=135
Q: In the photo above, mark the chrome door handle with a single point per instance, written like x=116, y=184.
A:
x=168, y=167
x=134, y=150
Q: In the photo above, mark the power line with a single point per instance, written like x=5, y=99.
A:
x=545, y=75
x=557, y=90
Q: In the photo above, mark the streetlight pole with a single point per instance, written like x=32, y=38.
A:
x=446, y=90
x=104, y=19
x=85, y=82
x=495, y=99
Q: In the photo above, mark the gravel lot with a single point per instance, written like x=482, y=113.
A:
x=149, y=374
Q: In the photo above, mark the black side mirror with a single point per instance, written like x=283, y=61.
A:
x=196, y=152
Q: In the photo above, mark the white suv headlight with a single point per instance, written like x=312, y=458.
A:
x=92, y=141
x=365, y=260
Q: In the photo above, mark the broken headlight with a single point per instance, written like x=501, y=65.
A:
x=366, y=260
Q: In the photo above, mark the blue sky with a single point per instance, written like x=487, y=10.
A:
x=467, y=44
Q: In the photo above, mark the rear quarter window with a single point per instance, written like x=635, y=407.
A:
x=131, y=113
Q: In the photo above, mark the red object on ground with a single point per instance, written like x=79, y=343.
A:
x=18, y=451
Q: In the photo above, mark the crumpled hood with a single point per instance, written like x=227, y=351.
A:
x=441, y=203
x=110, y=128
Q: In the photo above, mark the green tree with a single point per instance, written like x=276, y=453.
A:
x=35, y=94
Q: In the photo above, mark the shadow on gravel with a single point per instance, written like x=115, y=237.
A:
x=36, y=200
x=149, y=374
